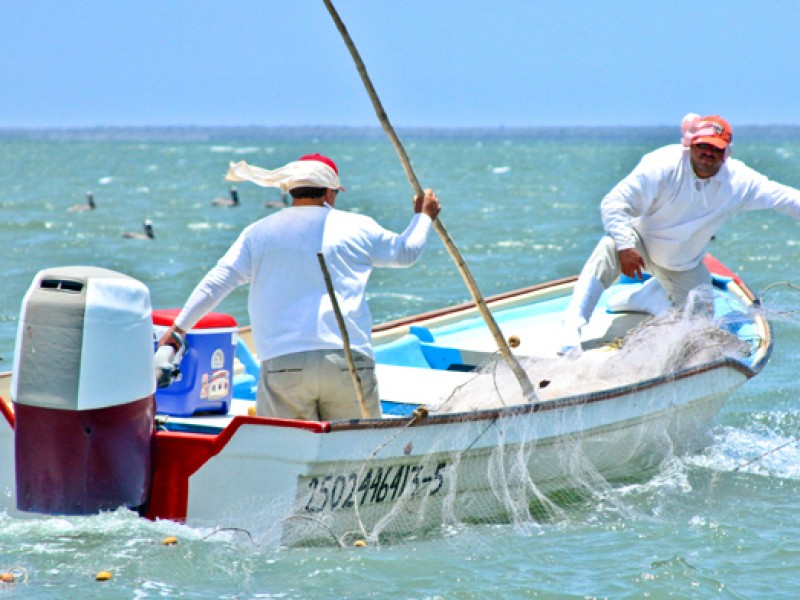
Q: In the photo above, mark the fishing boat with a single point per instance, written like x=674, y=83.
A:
x=87, y=430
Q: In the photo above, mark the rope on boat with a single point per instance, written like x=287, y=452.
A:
x=338, y=540
x=788, y=284
x=418, y=415
x=233, y=529
x=249, y=535
x=760, y=301
x=765, y=454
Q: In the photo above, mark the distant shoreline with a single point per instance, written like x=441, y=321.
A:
x=218, y=134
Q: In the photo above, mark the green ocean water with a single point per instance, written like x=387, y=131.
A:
x=522, y=206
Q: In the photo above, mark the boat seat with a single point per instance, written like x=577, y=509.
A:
x=413, y=386
x=418, y=348
x=245, y=381
x=647, y=295
x=405, y=351
x=421, y=356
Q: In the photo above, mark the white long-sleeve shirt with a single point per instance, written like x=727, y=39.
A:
x=676, y=213
x=288, y=303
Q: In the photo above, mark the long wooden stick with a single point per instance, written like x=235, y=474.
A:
x=362, y=403
x=505, y=351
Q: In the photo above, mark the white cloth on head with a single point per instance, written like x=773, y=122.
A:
x=688, y=128
x=300, y=173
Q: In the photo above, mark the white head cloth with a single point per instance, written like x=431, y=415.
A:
x=301, y=173
x=689, y=128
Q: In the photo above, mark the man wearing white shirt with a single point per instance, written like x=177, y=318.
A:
x=304, y=374
x=662, y=216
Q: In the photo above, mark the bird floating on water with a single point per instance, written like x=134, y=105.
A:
x=232, y=201
x=282, y=203
x=90, y=205
x=148, y=234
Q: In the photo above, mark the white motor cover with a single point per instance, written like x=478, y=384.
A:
x=86, y=343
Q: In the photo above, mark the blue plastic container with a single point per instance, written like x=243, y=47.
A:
x=205, y=383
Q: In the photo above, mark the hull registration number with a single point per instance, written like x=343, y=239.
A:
x=375, y=486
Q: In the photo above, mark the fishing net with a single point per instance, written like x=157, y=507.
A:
x=517, y=468
x=662, y=345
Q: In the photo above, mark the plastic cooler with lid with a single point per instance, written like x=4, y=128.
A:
x=206, y=372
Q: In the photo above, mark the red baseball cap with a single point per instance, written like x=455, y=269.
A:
x=324, y=160
x=713, y=130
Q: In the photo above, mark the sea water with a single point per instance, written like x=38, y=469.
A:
x=522, y=207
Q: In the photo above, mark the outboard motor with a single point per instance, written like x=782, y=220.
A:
x=83, y=392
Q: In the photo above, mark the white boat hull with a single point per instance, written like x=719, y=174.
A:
x=304, y=487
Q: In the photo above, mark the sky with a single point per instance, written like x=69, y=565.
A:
x=434, y=63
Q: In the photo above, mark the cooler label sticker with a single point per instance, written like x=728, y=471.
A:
x=215, y=386
x=218, y=359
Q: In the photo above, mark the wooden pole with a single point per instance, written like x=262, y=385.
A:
x=505, y=351
x=362, y=403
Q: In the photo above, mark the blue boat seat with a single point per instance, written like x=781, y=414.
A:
x=418, y=349
x=245, y=384
x=405, y=352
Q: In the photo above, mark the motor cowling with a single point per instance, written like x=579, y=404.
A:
x=83, y=392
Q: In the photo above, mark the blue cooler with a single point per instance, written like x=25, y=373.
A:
x=205, y=383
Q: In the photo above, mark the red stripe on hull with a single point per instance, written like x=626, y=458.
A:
x=7, y=411
x=715, y=266
x=179, y=455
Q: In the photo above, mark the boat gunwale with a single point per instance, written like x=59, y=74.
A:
x=467, y=306
x=489, y=414
x=548, y=405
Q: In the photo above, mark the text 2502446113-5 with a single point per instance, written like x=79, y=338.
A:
x=376, y=485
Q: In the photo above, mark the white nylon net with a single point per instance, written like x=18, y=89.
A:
x=528, y=468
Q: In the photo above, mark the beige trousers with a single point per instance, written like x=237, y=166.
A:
x=604, y=265
x=316, y=386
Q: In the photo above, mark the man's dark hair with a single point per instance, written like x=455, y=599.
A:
x=307, y=192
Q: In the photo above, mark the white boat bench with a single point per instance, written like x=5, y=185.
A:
x=415, y=385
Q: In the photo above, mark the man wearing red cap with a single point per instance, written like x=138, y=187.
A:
x=304, y=373
x=662, y=216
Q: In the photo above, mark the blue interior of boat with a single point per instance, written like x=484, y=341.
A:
x=415, y=349
x=245, y=384
x=419, y=348
x=397, y=409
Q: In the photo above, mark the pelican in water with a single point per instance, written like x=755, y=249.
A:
x=90, y=205
x=282, y=203
x=232, y=201
x=138, y=235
